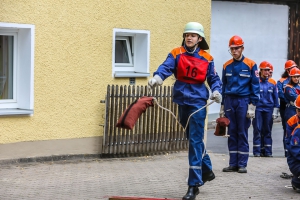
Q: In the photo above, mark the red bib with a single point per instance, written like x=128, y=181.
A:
x=191, y=70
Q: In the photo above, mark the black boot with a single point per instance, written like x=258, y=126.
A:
x=297, y=189
x=230, y=169
x=208, y=176
x=242, y=170
x=191, y=194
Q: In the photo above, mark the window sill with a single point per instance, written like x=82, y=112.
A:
x=131, y=74
x=15, y=112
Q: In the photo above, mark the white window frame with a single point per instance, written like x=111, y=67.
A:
x=126, y=66
x=23, y=69
x=140, y=53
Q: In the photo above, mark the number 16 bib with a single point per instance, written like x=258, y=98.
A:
x=191, y=70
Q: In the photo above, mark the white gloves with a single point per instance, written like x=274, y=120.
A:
x=275, y=113
x=251, y=111
x=153, y=82
x=216, y=96
x=292, y=103
x=222, y=113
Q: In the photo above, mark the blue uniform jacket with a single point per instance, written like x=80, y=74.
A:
x=291, y=92
x=281, y=83
x=187, y=93
x=291, y=125
x=241, y=78
x=268, y=95
x=293, y=147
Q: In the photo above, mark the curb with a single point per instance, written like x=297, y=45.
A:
x=49, y=158
x=80, y=157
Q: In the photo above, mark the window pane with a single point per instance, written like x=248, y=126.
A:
x=121, y=52
x=6, y=67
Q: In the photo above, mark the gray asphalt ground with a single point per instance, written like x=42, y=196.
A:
x=160, y=176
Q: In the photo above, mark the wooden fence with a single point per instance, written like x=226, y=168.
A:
x=155, y=131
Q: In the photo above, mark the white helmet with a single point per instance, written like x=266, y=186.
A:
x=194, y=27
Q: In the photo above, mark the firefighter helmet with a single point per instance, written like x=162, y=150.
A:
x=265, y=65
x=271, y=66
x=236, y=41
x=194, y=27
x=289, y=64
x=297, y=102
x=295, y=72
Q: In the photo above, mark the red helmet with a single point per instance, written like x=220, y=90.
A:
x=266, y=65
x=295, y=72
x=236, y=41
x=289, y=64
x=297, y=102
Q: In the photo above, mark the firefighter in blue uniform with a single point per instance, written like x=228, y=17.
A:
x=240, y=90
x=291, y=91
x=291, y=125
x=192, y=66
x=281, y=83
x=293, y=147
x=266, y=110
x=294, y=120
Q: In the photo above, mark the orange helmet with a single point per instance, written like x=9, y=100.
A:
x=271, y=66
x=236, y=41
x=295, y=72
x=289, y=64
x=297, y=102
x=266, y=65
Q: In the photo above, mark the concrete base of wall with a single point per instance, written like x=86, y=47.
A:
x=51, y=149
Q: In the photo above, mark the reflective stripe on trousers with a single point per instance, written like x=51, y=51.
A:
x=239, y=152
x=195, y=167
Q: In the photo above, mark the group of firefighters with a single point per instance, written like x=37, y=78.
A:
x=246, y=92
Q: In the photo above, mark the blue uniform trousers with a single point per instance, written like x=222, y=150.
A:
x=293, y=162
x=262, y=142
x=262, y=132
x=294, y=166
x=296, y=177
x=236, y=110
x=199, y=161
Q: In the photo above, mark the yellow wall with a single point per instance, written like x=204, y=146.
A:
x=73, y=55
